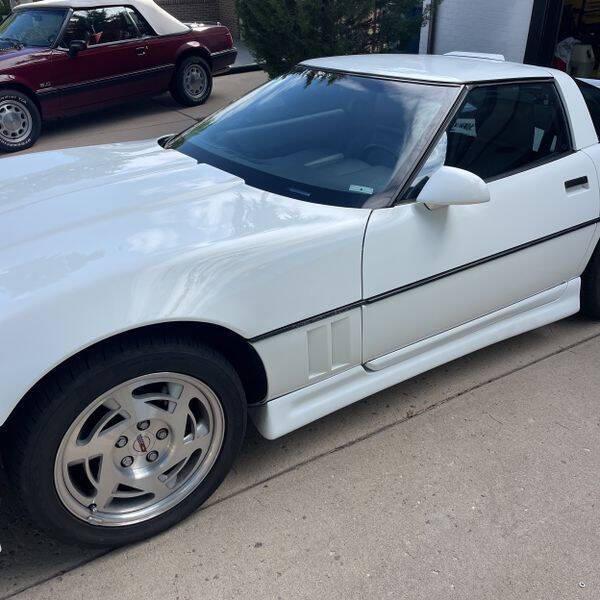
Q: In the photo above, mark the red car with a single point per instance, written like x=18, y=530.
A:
x=60, y=57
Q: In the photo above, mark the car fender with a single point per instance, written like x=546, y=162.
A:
x=141, y=236
x=192, y=47
x=8, y=80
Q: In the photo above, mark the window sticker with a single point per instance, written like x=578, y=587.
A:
x=361, y=189
x=465, y=127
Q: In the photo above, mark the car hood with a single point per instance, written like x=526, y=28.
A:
x=133, y=234
x=10, y=57
x=47, y=192
x=142, y=200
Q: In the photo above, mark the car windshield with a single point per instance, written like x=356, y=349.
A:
x=31, y=27
x=335, y=139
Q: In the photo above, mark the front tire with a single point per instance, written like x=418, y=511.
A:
x=192, y=82
x=20, y=121
x=126, y=440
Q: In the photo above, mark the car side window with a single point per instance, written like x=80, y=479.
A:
x=141, y=23
x=591, y=95
x=100, y=26
x=501, y=129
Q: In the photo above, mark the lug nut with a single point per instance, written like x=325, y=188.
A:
x=127, y=461
x=162, y=434
x=152, y=456
x=143, y=425
x=121, y=442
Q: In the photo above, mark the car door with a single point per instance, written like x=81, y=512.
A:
x=428, y=271
x=158, y=53
x=112, y=66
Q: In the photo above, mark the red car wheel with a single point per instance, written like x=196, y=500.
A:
x=20, y=121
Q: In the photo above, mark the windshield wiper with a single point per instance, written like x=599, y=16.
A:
x=18, y=44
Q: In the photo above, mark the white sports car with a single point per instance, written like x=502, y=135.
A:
x=345, y=227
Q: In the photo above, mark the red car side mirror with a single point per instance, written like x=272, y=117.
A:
x=75, y=47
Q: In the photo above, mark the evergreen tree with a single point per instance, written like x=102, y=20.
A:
x=282, y=33
x=4, y=8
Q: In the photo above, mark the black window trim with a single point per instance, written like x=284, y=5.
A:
x=401, y=196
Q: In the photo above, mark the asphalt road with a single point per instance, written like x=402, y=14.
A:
x=476, y=480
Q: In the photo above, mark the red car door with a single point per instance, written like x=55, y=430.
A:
x=110, y=68
x=158, y=51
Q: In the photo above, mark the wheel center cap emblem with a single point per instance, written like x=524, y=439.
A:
x=142, y=444
x=11, y=121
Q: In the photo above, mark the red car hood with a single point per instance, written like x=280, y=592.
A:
x=11, y=57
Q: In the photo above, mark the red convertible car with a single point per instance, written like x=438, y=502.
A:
x=60, y=57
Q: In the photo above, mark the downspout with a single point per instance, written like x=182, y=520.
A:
x=432, y=26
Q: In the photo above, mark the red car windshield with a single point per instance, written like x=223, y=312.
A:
x=31, y=27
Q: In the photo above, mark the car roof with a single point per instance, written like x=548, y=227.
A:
x=455, y=69
x=160, y=20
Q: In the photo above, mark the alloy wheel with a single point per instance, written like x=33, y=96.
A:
x=139, y=450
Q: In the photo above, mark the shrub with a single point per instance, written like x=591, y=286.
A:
x=282, y=33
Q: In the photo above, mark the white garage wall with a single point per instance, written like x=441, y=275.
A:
x=496, y=26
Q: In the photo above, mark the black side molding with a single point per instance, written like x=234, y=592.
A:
x=411, y=286
x=576, y=182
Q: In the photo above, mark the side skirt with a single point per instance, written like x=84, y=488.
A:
x=292, y=411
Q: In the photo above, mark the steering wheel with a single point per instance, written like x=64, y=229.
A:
x=378, y=155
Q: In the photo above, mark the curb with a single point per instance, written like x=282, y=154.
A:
x=241, y=69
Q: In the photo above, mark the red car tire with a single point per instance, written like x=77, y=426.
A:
x=192, y=82
x=20, y=121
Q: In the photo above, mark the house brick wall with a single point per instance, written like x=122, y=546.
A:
x=204, y=10
x=228, y=16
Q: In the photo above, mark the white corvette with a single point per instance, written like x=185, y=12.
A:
x=345, y=227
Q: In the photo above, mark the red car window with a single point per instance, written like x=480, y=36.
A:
x=100, y=26
x=140, y=22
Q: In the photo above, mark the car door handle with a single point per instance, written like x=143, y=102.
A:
x=141, y=50
x=577, y=182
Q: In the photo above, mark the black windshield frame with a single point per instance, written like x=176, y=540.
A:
x=281, y=186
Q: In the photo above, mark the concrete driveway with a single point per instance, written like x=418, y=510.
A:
x=144, y=119
x=478, y=480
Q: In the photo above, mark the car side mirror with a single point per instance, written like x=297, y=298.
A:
x=75, y=47
x=450, y=186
